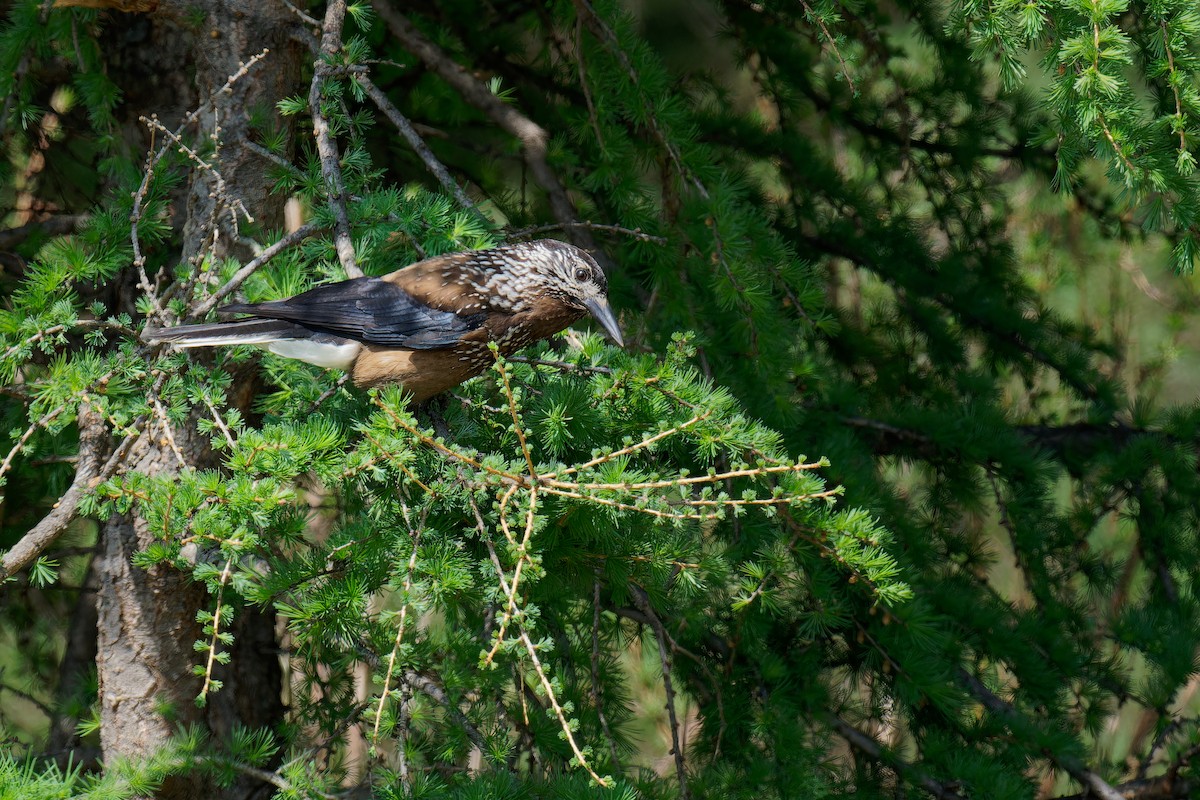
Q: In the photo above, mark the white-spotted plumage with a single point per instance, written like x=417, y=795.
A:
x=426, y=326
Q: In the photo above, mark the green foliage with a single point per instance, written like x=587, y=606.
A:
x=845, y=242
x=1100, y=104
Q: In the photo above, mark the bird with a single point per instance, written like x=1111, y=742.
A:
x=426, y=326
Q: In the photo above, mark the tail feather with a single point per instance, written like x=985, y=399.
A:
x=282, y=338
x=247, y=331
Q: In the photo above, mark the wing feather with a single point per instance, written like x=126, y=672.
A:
x=368, y=310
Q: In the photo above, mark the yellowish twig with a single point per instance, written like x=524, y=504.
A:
x=522, y=557
x=415, y=534
x=633, y=448
x=214, y=640
x=558, y=710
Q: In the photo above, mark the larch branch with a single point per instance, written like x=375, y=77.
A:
x=327, y=149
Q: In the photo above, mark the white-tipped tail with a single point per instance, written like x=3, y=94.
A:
x=282, y=338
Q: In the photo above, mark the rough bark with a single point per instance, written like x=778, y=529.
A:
x=147, y=617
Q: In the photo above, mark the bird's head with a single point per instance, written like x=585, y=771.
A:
x=565, y=273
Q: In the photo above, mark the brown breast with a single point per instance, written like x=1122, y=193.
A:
x=426, y=373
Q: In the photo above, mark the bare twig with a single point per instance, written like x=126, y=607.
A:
x=327, y=149
x=404, y=126
x=152, y=159
x=305, y=18
x=1074, y=767
x=221, y=188
x=874, y=750
x=635, y=233
x=642, y=601
x=293, y=238
x=533, y=137
x=55, y=330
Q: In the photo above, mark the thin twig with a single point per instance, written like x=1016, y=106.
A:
x=278, y=161
x=510, y=610
x=221, y=189
x=512, y=410
x=874, y=750
x=431, y=689
x=558, y=710
x=1074, y=767
x=239, y=277
x=633, y=448
x=305, y=18
x=330, y=392
x=533, y=137
x=635, y=233
x=220, y=422
x=642, y=601
x=414, y=532
x=215, y=639
x=812, y=15
x=597, y=687
x=327, y=149
x=45, y=420
x=55, y=330
x=152, y=159
x=404, y=126
x=276, y=780
x=92, y=438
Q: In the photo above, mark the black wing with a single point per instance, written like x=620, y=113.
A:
x=368, y=310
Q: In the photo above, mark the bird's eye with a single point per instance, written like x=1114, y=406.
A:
x=582, y=274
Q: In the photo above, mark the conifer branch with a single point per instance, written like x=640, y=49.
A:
x=533, y=137
x=642, y=601
x=327, y=148
x=597, y=686
x=829, y=37
x=252, y=266
x=431, y=689
x=522, y=549
x=567, y=725
x=91, y=470
x=216, y=635
x=414, y=532
x=219, y=421
x=1073, y=766
x=405, y=127
x=41, y=422
x=868, y=746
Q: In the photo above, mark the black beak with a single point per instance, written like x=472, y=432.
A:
x=604, y=315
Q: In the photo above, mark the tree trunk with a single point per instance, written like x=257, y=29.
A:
x=147, y=617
